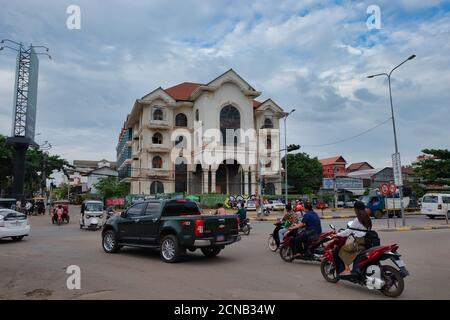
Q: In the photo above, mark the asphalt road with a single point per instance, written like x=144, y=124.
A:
x=36, y=268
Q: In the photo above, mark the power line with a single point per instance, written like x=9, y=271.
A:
x=349, y=138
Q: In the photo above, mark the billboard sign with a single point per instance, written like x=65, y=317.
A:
x=25, y=97
x=397, y=168
x=343, y=183
x=32, y=96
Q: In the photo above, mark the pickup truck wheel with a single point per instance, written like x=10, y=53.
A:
x=109, y=242
x=378, y=214
x=170, y=251
x=210, y=251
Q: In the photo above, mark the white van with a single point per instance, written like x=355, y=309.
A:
x=436, y=204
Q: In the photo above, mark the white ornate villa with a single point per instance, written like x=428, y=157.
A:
x=166, y=144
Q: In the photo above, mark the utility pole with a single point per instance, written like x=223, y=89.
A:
x=285, y=157
x=397, y=154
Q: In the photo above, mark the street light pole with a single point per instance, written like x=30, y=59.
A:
x=388, y=75
x=285, y=157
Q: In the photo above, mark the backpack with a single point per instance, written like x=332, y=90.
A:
x=371, y=239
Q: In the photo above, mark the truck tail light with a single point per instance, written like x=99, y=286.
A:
x=439, y=206
x=238, y=223
x=199, y=227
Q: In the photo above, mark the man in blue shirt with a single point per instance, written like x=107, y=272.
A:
x=242, y=213
x=311, y=230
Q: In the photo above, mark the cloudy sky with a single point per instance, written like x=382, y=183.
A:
x=310, y=55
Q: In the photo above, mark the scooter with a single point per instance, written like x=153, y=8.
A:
x=245, y=226
x=274, y=241
x=315, y=248
x=367, y=269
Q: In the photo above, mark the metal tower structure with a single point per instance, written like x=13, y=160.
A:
x=25, y=99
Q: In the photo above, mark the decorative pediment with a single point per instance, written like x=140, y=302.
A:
x=270, y=105
x=228, y=77
x=158, y=94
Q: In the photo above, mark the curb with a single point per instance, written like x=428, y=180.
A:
x=414, y=228
x=340, y=216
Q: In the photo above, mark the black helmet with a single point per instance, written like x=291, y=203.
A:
x=360, y=205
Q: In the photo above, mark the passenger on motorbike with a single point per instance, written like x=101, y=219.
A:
x=289, y=219
x=311, y=229
x=356, y=229
x=242, y=213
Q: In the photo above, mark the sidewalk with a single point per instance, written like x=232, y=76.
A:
x=326, y=215
x=414, y=228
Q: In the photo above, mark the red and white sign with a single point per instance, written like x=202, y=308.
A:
x=384, y=188
x=392, y=187
x=115, y=202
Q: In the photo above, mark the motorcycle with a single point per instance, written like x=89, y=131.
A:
x=315, y=247
x=274, y=241
x=245, y=226
x=367, y=269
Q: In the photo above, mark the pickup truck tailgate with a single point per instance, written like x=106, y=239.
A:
x=220, y=226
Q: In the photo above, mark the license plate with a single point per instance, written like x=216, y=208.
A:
x=220, y=238
x=400, y=263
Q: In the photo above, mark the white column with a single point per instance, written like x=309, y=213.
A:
x=253, y=182
x=205, y=181
x=188, y=176
x=246, y=182
x=213, y=181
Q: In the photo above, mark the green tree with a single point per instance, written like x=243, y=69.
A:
x=6, y=167
x=436, y=168
x=111, y=187
x=304, y=173
x=37, y=163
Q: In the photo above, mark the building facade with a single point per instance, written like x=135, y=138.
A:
x=170, y=142
x=86, y=173
x=334, y=166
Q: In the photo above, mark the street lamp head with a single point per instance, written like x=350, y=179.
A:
x=412, y=57
x=370, y=77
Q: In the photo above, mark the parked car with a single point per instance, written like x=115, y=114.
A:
x=7, y=203
x=321, y=205
x=13, y=224
x=275, y=205
x=172, y=226
x=436, y=204
x=250, y=205
x=349, y=204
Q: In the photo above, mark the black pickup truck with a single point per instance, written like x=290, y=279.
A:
x=172, y=226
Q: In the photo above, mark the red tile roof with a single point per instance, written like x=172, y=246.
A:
x=332, y=160
x=256, y=104
x=182, y=91
x=357, y=165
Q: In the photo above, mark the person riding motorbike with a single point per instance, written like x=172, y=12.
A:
x=59, y=211
x=311, y=229
x=289, y=219
x=242, y=213
x=357, y=228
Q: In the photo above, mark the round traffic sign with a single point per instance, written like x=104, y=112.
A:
x=384, y=189
x=392, y=187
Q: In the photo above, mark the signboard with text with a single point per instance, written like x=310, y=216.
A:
x=343, y=183
x=397, y=168
x=115, y=202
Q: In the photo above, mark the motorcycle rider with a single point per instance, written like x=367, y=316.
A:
x=355, y=228
x=289, y=219
x=242, y=213
x=311, y=229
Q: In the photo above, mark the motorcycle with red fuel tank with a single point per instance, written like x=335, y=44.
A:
x=315, y=248
x=367, y=269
